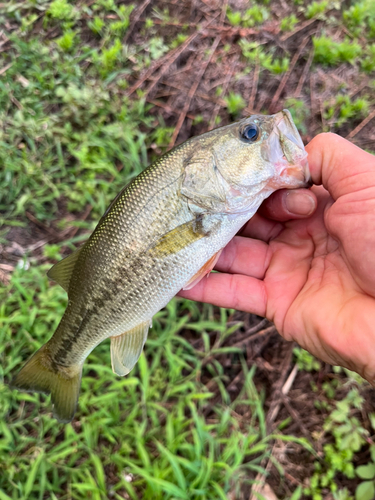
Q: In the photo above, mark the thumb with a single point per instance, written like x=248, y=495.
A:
x=339, y=165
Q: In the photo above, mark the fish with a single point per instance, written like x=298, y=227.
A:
x=162, y=233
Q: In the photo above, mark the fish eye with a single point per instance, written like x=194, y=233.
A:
x=250, y=133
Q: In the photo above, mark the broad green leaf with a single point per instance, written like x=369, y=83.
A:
x=366, y=471
x=365, y=491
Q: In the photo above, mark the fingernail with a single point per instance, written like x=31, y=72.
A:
x=299, y=203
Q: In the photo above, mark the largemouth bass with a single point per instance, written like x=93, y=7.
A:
x=162, y=233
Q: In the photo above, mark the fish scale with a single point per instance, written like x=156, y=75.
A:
x=163, y=232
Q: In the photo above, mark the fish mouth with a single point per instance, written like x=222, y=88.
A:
x=285, y=150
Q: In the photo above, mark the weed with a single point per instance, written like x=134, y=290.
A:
x=157, y=47
x=255, y=15
x=349, y=436
x=360, y=17
x=107, y=60
x=66, y=41
x=305, y=360
x=277, y=66
x=366, y=490
x=329, y=52
x=368, y=62
x=299, y=111
x=316, y=9
x=235, y=103
x=61, y=10
x=346, y=109
x=234, y=17
x=96, y=25
x=253, y=51
x=288, y=23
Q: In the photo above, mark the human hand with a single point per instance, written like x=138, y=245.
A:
x=313, y=277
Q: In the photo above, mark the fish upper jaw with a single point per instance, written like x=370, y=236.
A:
x=285, y=150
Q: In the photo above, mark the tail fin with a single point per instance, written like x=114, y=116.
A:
x=63, y=383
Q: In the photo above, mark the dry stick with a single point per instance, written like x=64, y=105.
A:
x=167, y=108
x=358, y=89
x=296, y=417
x=40, y=224
x=284, y=391
x=359, y=127
x=171, y=55
x=191, y=93
x=299, y=28
x=275, y=403
x=285, y=78
x=312, y=96
x=254, y=336
x=218, y=106
x=259, y=480
x=176, y=54
x=5, y=68
x=86, y=213
x=305, y=72
x=136, y=17
x=250, y=106
x=223, y=12
x=261, y=101
x=206, y=97
x=7, y=267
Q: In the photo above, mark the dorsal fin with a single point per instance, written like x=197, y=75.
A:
x=63, y=270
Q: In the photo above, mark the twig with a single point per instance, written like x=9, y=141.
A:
x=223, y=12
x=259, y=480
x=296, y=417
x=206, y=97
x=160, y=62
x=6, y=267
x=191, y=93
x=261, y=101
x=39, y=223
x=312, y=96
x=136, y=17
x=298, y=29
x=173, y=56
x=218, y=105
x=5, y=68
x=359, y=127
x=250, y=107
x=252, y=337
x=86, y=213
x=286, y=76
x=275, y=404
x=167, y=108
x=305, y=72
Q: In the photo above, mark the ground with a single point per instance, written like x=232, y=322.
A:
x=219, y=406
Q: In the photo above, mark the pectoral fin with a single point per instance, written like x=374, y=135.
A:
x=203, y=271
x=63, y=270
x=180, y=237
x=126, y=348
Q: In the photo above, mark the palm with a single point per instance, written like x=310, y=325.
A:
x=315, y=278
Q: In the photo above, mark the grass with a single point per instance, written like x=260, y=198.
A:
x=144, y=434
x=70, y=139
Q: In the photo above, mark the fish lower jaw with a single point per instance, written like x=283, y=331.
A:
x=295, y=175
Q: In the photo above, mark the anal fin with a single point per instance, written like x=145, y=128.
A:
x=205, y=269
x=126, y=348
